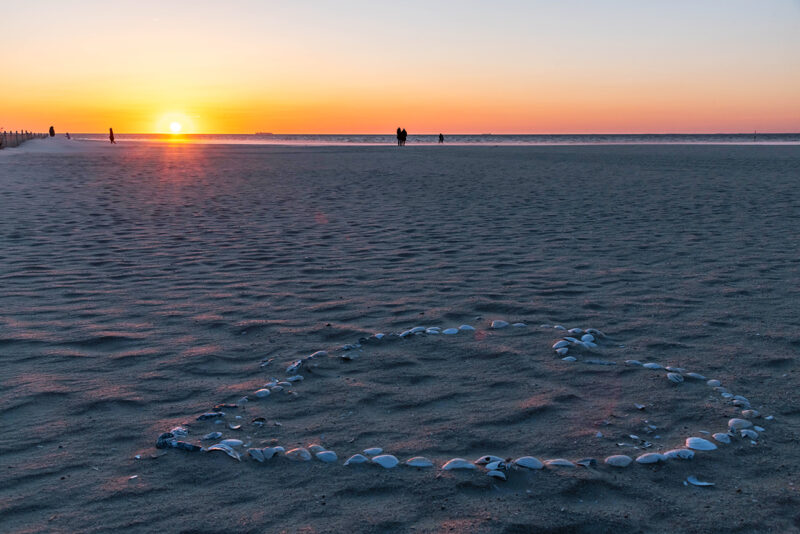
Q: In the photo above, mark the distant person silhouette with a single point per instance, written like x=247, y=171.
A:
x=111, y=136
x=403, y=137
x=399, y=136
x=441, y=138
x=68, y=137
x=52, y=132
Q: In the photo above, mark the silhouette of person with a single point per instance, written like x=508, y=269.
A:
x=111, y=136
x=68, y=137
x=441, y=138
x=403, y=136
x=52, y=132
x=399, y=136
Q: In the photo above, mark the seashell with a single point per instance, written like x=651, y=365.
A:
x=317, y=354
x=458, y=463
x=226, y=449
x=497, y=474
x=650, y=458
x=212, y=435
x=450, y=331
x=315, y=448
x=327, y=456
x=483, y=460
x=498, y=324
x=559, y=462
x=357, y=459
x=261, y=393
x=380, y=336
x=738, y=424
x=694, y=482
x=519, y=325
x=434, y=331
x=179, y=432
x=285, y=385
x=758, y=428
x=740, y=398
x=587, y=338
x=572, y=340
x=387, y=461
x=559, y=327
x=570, y=359
x=639, y=406
x=769, y=417
x=562, y=351
x=299, y=455
x=633, y=362
x=720, y=389
x=466, y=328
x=495, y=465
x=696, y=376
x=419, y=461
x=679, y=370
x=619, y=460
x=652, y=365
x=373, y=451
x=575, y=331
x=269, y=452
x=748, y=433
x=726, y=395
x=234, y=427
x=295, y=378
x=210, y=415
x=294, y=367
x=404, y=334
x=560, y=344
x=741, y=403
x=587, y=462
x=276, y=389
x=417, y=329
x=231, y=442
x=681, y=454
x=528, y=462
x=700, y=444
x=750, y=413
x=675, y=377
x=256, y=454
x=722, y=438
x=714, y=383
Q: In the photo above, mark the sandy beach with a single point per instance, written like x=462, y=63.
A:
x=142, y=285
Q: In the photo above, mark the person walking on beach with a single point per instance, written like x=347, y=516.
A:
x=399, y=136
x=441, y=139
x=403, y=137
x=111, y=136
x=52, y=132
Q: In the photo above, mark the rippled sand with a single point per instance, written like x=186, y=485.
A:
x=141, y=285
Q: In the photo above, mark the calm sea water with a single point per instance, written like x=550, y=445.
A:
x=483, y=139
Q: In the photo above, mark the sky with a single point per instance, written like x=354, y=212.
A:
x=369, y=66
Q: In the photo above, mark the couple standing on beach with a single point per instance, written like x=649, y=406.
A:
x=401, y=136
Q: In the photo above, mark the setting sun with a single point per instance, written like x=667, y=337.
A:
x=175, y=127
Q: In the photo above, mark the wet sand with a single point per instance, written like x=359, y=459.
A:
x=141, y=285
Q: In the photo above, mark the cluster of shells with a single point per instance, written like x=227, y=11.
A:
x=494, y=466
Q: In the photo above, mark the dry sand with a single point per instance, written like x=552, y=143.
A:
x=143, y=284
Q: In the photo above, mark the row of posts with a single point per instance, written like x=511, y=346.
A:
x=12, y=139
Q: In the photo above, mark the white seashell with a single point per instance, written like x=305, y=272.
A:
x=299, y=455
x=758, y=428
x=695, y=376
x=679, y=370
x=276, y=389
x=212, y=435
x=179, y=432
x=738, y=424
x=650, y=458
x=315, y=448
x=357, y=459
x=675, y=377
x=528, y=462
x=458, y=463
x=570, y=359
x=681, y=454
x=380, y=336
x=373, y=451
x=560, y=344
x=694, y=482
x=261, y=393
x=750, y=413
x=256, y=454
x=317, y=354
x=726, y=395
x=519, y=325
x=450, y=331
x=494, y=465
x=769, y=417
x=269, y=452
x=404, y=334
x=466, y=328
x=497, y=474
x=226, y=449
x=748, y=433
x=575, y=331
x=559, y=327
x=434, y=330
x=587, y=337
x=559, y=462
x=498, y=324
x=295, y=378
x=619, y=460
x=387, y=461
x=722, y=438
x=652, y=365
x=417, y=330
x=633, y=362
x=327, y=456
x=700, y=444
x=231, y=442
x=419, y=461
x=562, y=351
x=714, y=383
x=740, y=403
x=483, y=460
x=294, y=367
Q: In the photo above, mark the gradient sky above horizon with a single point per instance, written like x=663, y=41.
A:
x=367, y=66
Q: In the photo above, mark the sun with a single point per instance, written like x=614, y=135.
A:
x=175, y=127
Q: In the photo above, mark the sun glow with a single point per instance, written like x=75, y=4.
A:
x=176, y=123
x=175, y=127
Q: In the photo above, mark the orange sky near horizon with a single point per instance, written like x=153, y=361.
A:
x=368, y=67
